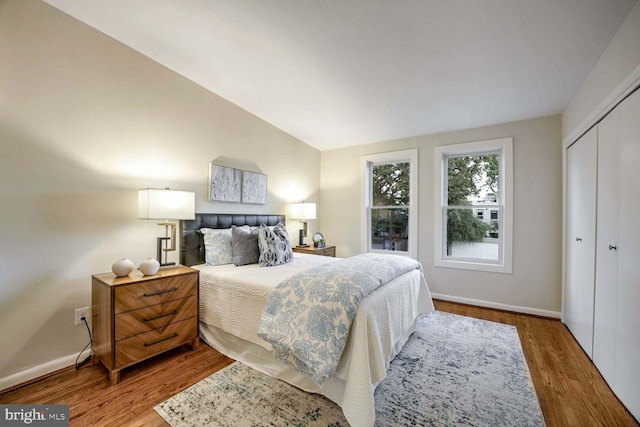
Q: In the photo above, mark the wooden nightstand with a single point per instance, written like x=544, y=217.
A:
x=136, y=317
x=326, y=251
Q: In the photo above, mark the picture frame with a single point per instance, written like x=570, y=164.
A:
x=225, y=184
x=254, y=188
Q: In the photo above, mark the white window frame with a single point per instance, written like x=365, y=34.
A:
x=503, y=146
x=410, y=156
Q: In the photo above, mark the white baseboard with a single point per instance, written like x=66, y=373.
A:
x=499, y=306
x=41, y=370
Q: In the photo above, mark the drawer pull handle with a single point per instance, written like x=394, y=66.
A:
x=160, y=292
x=161, y=316
x=149, y=344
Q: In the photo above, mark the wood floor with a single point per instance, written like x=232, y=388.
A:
x=570, y=389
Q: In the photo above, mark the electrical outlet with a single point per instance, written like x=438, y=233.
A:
x=80, y=313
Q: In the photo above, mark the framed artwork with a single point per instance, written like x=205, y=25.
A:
x=254, y=188
x=225, y=184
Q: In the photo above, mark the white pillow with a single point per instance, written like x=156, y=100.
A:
x=218, y=249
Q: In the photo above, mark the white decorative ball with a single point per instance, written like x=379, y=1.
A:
x=149, y=266
x=122, y=267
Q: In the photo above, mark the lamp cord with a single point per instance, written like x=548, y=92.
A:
x=79, y=365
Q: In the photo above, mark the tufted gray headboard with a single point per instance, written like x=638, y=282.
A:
x=192, y=252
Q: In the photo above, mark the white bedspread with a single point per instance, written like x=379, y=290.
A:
x=231, y=303
x=232, y=298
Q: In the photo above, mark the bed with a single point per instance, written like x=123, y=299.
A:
x=232, y=299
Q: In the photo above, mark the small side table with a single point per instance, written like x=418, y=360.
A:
x=326, y=251
x=136, y=317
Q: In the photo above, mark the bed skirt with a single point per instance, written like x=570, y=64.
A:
x=376, y=341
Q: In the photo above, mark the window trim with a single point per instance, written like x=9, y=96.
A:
x=369, y=160
x=505, y=147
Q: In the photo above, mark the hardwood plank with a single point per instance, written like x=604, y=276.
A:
x=569, y=387
x=93, y=402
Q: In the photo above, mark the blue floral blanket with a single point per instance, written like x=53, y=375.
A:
x=307, y=317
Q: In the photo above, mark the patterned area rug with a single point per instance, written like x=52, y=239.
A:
x=453, y=371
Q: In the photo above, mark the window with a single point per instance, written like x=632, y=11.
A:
x=471, y=179
x=389, y=214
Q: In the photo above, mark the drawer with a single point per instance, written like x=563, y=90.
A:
x=141, y=346
x=151, y=292
x=155, y=316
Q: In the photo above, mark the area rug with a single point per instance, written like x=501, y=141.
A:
x=453, y=371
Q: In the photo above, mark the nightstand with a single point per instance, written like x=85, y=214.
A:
x=136, y=317
x=326, y=251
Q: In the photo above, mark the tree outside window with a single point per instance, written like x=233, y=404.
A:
x=472, y=183
x=473, y=215
x=390, y=211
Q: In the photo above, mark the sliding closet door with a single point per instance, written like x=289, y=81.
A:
x=606, y=292
x=627, y=364
x=581, y=224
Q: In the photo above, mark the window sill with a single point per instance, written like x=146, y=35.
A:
x=475, y=266
x=401, y=253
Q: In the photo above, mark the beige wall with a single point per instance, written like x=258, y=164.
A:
x=84, y=123
x=536, y=279
x=619, y=61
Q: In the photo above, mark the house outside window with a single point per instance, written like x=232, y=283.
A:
x=473, y=209
x=389, y=213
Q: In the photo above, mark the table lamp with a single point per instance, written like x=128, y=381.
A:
x=303, y=211
x=166, y=205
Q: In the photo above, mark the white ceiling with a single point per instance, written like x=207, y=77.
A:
x=335, y=73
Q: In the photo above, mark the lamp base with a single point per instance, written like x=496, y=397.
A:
x=159, y=252
x=167, y=265
x=302, y=235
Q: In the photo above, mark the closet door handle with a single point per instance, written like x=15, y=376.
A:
x=578, y=239
x=613, y=248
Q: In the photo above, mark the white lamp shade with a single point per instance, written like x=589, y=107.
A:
x=166, y=204
x=303, y=211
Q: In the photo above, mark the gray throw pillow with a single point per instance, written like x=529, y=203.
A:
x=275, y=246
x=245, y=246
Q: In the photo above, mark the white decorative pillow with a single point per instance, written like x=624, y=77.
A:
x=275, y=246
x=217, y=246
